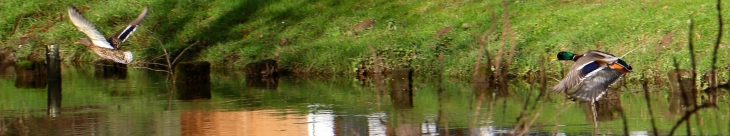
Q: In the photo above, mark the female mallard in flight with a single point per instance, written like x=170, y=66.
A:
x=107, y=48
x=593, y=72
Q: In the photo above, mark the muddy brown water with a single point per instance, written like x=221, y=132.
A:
x=143, y=102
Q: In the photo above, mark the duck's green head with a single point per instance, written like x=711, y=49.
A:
x=564, y=55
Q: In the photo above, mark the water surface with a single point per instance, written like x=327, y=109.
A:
x=144, y=102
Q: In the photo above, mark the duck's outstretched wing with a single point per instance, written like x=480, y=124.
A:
x=87, y=28
x=122, y=36
x=594, y=86
x=578, y=71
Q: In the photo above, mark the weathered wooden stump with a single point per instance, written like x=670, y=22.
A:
x=482, y=74
x=401, y=95
x=402, y=79
x=680, y=80
x=263, y=68
x=108, y=69
x=54, y=80
x=7, y=63
x=192, y=80
x=683, y=93
x=31, y=75
x=401, y=89
x=262, y=74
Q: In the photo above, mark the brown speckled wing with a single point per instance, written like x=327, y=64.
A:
x=88, y=28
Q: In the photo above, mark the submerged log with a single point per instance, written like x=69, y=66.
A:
x=108, y=69
x=192, y=80
x=31, y=74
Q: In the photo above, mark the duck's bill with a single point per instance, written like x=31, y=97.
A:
x=553, y=57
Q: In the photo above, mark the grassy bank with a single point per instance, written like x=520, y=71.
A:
x=323, y=36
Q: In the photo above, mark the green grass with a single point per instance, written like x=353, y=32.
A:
x=321, y=36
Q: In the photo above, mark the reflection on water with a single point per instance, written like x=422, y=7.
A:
x=250, y=123
x=106, y=69
x=147, y=103
x=606, y=109
x=31, y=75
x=320, y=122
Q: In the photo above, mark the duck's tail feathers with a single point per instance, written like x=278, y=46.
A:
x=128, y=57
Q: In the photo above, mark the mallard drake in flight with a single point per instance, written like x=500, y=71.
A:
x=593, y=72
x=107, y=48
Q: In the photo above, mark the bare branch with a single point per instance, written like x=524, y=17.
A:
x=167, y=58
x=181, y=53
x=152, y=69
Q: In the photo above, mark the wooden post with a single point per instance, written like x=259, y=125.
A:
x=53, y=62
x=401, y=95
x=401, y=88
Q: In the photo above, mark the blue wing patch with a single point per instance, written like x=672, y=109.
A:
x=589, y=67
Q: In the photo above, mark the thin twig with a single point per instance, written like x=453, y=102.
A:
x=153, y=69
x=543, y=81
x=482, y=40
x=682, y=91
x=713, y=82
x=624, y=120
x=527, y=127
x=181, y=53
x=692, y=58
x=473, y=125
x=719, y=36
x=686, y=116
x=167, y=58
x=645, y=85
x=556, y=79
x=159, y=56
x=622, y=56
x=157, y=64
